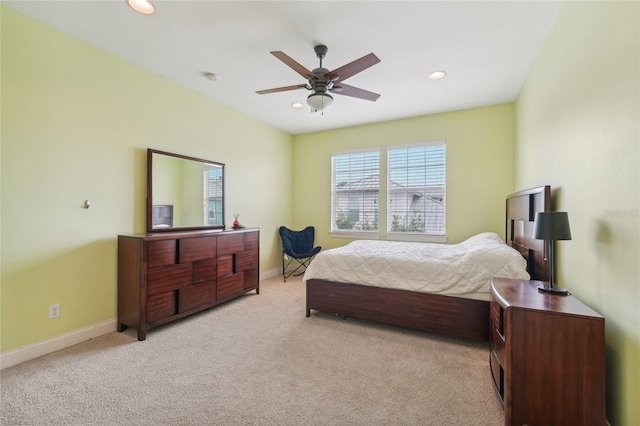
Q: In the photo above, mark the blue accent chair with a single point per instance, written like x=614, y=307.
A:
x=297, y=248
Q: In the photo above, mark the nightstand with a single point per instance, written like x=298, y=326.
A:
x=547, y=356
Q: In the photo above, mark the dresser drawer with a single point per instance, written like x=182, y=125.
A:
x=247, y=260
x=497, y=317
x=497, y=374
x=252, y=241
x=168, y=278
x=161, y=306
x=251, y=278
x=192, y=249
x=230, y=285
x=161, y=253
x=197, y=295
x=496, y=333
x=497, y=344
x=230, y=244
x=225, y=265
x=204, y=270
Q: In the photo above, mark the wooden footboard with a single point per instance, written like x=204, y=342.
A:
x=452, y=316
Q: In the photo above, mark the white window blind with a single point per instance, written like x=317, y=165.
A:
x=416, y=188
x=212, y=196
x=355, y=190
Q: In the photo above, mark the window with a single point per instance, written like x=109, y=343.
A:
x=212, y=195
x=355, y=191
x=416, y=188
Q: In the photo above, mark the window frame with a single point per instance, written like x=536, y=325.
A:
x=212, y=189
x=354, y=233
x=426, y=236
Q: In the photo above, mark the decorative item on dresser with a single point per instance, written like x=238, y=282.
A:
x=547, y=356
x=166, y=276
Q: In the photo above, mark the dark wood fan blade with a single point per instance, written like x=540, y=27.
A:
x=281, y=89
x=294, y=65
x=353, y=68
x=354, y=92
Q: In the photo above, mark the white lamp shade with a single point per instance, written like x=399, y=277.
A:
x=319, y=101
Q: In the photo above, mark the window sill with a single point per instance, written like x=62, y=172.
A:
x=391, y=236
x=359, y=235
x=416, y=237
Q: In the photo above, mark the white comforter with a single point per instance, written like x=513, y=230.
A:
x=451, y=269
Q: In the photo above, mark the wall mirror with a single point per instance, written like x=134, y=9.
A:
x=183, y=193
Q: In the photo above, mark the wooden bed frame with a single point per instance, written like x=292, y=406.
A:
x=449, y=315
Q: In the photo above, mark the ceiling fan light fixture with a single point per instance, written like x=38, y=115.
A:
x=319, y=101
x=141, y=6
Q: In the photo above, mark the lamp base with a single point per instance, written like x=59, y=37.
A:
x=554, y=290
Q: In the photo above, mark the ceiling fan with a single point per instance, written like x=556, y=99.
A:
x=322, y=81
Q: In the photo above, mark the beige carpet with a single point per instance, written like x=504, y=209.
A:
x=257, y=361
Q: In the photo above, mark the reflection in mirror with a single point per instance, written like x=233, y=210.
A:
x=183, y=192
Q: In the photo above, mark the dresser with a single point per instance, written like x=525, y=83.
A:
x=167, y=276
x=547, y=356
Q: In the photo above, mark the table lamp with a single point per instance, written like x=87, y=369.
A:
x=550, y=227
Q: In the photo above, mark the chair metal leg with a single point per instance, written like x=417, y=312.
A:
x=302, y=264
x=284, y=276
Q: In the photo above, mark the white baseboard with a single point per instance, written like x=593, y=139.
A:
x=271, y=273
x=38, y=349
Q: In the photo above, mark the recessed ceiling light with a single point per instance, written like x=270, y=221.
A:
x=142, y=6
x=297, y=105
x=437, y=75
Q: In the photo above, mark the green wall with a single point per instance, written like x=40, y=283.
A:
x=76, y=123
x=480, y=170
x=578, y=130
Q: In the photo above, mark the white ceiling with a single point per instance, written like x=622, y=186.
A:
x=486, y=48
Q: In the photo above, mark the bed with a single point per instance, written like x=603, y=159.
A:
x=459, y=310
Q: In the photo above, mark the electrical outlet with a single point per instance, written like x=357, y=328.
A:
x=54, y=311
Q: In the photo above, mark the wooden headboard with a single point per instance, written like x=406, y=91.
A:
x=521, y=212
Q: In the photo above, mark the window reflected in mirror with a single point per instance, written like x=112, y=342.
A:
x=183, y=192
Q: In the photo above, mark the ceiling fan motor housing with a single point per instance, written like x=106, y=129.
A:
x=321, y=84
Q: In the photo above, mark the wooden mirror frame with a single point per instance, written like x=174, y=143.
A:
x=182, y=224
